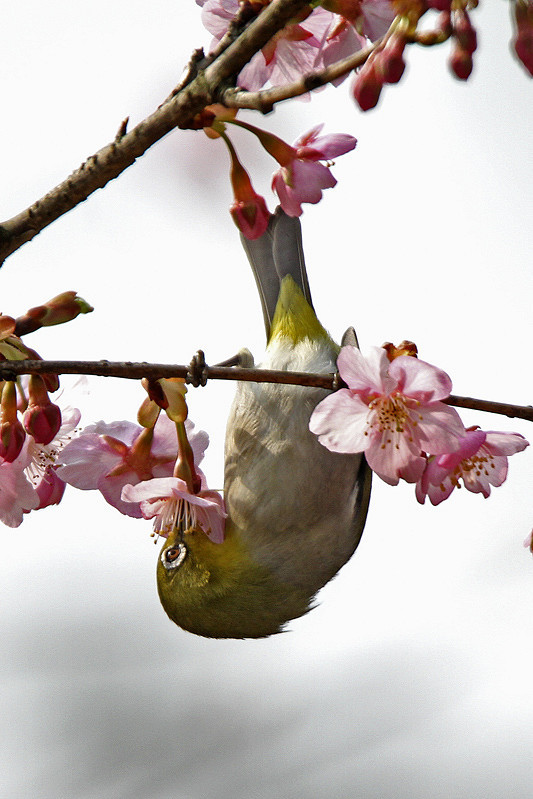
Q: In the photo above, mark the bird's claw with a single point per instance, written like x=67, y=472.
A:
x=197, y=373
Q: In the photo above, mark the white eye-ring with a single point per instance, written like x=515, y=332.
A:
x=172, y=557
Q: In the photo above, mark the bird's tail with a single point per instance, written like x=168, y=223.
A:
x=273, y=256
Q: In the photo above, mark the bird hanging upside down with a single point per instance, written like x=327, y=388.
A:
x=296, y=511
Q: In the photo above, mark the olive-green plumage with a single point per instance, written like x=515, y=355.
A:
x=296, y=511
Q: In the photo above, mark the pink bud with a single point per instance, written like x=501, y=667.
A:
x=43, y=422
x=60, y=309
x=7, y=326
x=251, y=216
x=12, y=435
x=440, y=5
x=249, y=210
x=367, y=87
x=42, y=418
x=524, y=49
x=523, y=44
x=461, y=63
x=464, y=32
x=390, y=64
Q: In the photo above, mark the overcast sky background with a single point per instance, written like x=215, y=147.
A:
x=412, y=679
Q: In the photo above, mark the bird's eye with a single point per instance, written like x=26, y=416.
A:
x=173, y=557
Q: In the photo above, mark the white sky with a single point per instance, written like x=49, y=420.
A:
x=413, y=676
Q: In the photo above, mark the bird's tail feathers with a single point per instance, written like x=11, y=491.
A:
x=275, y=254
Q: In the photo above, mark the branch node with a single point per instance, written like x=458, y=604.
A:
x=122, y=130
x=197, y=372
x=337, y=382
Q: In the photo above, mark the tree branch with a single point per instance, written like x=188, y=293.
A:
x=177, y=111
x=264, y=101
x=9, y=370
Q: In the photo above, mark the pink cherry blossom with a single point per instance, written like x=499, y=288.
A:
x=249, y=210
x=17, y=495
x=107, y=457
x=291, y=53
x=169, y=503
x=390, y=411
x=302, y=177
x=30, y=482
x=311, y=43
x=42, y=460
x=480, y=461
x=352, y=25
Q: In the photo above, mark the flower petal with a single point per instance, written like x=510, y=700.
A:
x=420, y=380
x=340, y=421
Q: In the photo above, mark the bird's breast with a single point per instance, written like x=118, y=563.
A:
x=294, y=503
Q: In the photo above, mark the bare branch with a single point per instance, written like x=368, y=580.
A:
x=9, y=370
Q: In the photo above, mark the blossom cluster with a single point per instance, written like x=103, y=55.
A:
x=33, y=429
x=317, y=39
x=149, y=470
x=301, y=177
x=338, y=29
x=393, y=410
x=314, y=40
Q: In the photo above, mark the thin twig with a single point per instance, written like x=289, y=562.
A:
x=9, y=370
x=265, y=100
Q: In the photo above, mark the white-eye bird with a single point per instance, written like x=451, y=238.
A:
x=296, y=511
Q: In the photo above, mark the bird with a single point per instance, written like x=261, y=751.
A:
x=296, y=511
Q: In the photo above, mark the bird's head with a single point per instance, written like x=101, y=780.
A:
x=219, y=591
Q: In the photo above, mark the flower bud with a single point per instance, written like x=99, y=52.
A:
x=523, y=43
x=461, y=63
x=251, y=216
x=389, y=62
x=524, y=49
x=404, y=348
x=12, y=434
x=367, y=87
x=7, y=326
x=440, y=5
x=60, y=309
x=464, y=33
x=42, y=418
x=174, y=390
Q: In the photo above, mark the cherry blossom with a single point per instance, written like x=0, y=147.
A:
x=302, y=177
x=17, y=494
x=31, y=482
x=390, y=411
x=291, y=53
x=106, y=457
x=170, y=504
x=480, y=461
x=41, y=468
